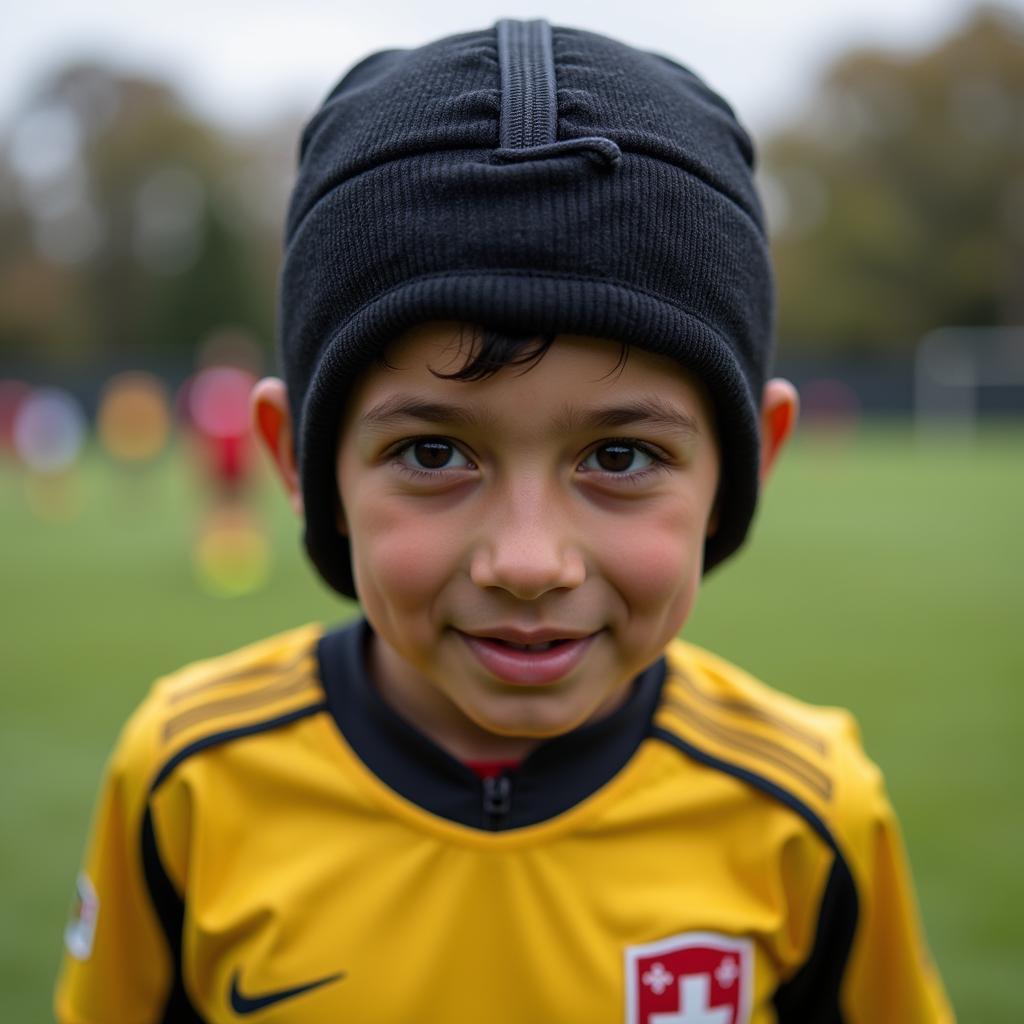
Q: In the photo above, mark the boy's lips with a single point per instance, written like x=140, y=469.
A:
x=520, y=667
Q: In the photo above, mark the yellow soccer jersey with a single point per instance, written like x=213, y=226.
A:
x=274, y=843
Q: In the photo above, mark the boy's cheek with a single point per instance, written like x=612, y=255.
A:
x=659, y=556
x=399, y=558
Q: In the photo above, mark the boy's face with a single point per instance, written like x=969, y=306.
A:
x=569, y=502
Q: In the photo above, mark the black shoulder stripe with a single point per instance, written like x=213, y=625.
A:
x=232, y=734
x=757, y=781
x=811, y=775
x=811, y=996
x=170, y=910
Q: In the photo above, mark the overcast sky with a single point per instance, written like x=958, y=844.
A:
x=239, y=60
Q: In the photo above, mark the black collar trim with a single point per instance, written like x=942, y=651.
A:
x=555, y=777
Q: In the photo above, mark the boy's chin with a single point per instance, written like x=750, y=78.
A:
x=536, y=717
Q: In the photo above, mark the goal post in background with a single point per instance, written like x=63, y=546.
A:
x=960, y=373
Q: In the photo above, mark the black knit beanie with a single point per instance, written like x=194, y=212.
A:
x=534, y=179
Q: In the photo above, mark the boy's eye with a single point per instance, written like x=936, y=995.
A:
x=618, y=457
x=432, y=453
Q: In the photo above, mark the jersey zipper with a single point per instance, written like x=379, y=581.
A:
x=497, y=799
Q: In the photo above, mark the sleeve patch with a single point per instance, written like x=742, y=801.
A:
x=81, y=929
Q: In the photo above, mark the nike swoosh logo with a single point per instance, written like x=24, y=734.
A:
x=243, y=1004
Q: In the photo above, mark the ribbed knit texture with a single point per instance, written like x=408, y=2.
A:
x=428, y=191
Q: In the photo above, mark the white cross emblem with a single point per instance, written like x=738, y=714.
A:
x=727, y=973
x=690, y=978
x=694, y=1004
x=657, y=979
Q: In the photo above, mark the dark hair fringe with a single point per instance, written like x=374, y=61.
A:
x=492, y=349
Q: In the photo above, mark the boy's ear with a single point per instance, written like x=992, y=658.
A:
x=780, y=406
x=272, y=424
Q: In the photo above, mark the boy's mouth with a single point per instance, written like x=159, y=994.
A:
x=528, y=664
x=546, y=646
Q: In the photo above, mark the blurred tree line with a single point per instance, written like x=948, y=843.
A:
x=897, y=199
x=130, y=226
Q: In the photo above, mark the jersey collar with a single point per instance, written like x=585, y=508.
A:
x=556, y=775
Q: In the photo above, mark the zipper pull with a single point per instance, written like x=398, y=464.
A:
x=528, y=124
x=603, y=152
x=497, y=798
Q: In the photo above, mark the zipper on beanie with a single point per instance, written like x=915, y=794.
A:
x=529, y=104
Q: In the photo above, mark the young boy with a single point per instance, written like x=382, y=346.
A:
x=525, y=331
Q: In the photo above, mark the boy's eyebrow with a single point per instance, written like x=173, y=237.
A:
x=409, y=407
x=642, y=410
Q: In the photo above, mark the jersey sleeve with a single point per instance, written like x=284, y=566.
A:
x=116, y=964
x=890, y=975
x=859, y=953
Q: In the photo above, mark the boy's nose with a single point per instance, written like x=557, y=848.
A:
x=527, y=549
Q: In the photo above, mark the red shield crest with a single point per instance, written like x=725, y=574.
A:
x=693, y=978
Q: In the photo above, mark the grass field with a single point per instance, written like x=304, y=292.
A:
x=884, y=576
